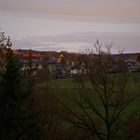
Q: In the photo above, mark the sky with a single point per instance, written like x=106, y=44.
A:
x=71, y=25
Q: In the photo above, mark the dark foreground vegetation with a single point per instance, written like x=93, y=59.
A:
x=96, y=105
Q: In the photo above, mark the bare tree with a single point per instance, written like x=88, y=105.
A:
x=102, y=96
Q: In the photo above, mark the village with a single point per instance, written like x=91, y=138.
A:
x=64, y=64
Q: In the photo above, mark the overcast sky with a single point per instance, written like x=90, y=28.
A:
x=71, y=25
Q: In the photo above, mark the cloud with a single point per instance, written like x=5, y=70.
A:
x=81, y=41
x=102, y=11
x=44, y=18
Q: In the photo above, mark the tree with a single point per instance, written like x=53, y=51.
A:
x=16, y=120
x=102, y=96
x=138, y=57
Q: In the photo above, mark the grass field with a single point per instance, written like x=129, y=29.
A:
x=67, y=88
